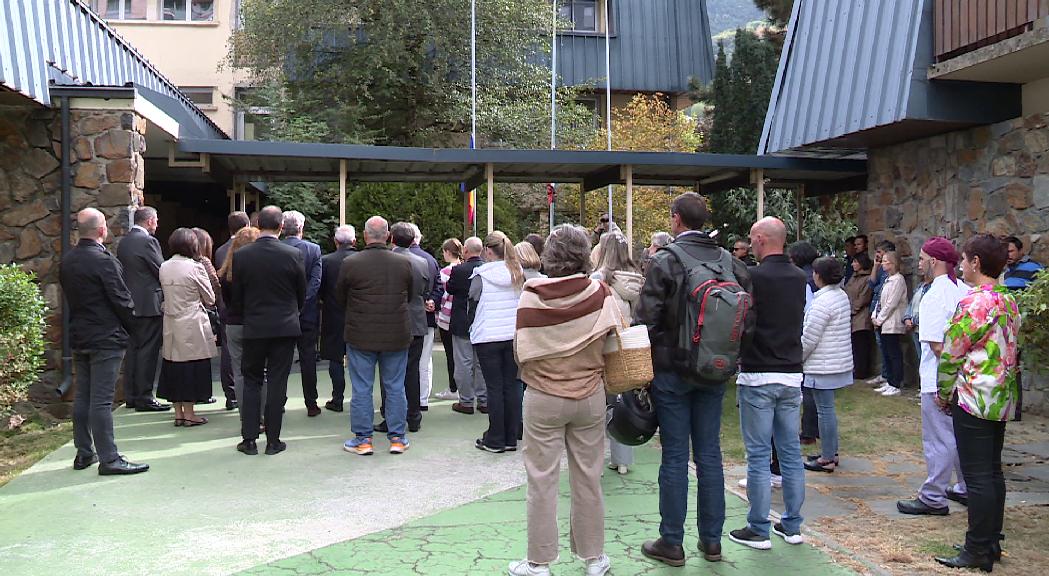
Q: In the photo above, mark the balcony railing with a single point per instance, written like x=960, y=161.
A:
x=964, y=25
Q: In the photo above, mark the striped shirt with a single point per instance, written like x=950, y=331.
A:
x=1019, y=275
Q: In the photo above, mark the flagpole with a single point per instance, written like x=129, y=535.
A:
x=553, y=103
x=473, y=99
x=608, y=97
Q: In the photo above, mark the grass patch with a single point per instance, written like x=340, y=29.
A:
x=868, y=423
x=22, y=448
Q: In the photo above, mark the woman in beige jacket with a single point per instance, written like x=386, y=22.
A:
x=888, y=317
x=189, y=343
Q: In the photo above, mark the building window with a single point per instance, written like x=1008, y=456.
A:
x=585, y=15
x=252, y=117
x=202, y=96
x=120, y=9
x=198, y=10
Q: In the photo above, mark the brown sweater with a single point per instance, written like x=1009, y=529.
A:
x=574, y=377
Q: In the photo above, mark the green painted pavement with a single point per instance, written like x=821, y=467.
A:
x=484, y=536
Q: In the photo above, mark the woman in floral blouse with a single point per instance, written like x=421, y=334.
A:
x=977, y=379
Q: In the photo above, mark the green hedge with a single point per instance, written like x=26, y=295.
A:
x=1034, y=331
x=22, y=325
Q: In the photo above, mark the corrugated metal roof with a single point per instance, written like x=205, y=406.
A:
x=63, y=40
x=656, y=46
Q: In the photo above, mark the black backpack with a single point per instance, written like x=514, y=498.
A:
x=718, y=315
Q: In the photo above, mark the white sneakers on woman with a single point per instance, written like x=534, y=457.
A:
x=594, y=567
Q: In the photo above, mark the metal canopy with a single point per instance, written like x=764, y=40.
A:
x=297, y=162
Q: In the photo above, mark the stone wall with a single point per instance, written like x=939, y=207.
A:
x=991, y=179
x=108, y=174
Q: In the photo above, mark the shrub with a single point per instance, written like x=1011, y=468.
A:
x=22, y=324
x=1034, y=331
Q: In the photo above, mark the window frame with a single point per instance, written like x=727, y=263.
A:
x=189, y=13
x=101, y=8
x=599, y=5
x=189, y=91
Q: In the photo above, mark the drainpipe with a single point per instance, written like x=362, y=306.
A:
x=67, y=183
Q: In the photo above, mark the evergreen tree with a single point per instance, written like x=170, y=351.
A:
x=720, y=94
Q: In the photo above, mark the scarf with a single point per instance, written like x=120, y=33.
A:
x=558, y=317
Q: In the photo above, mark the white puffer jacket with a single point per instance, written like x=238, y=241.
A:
x=496, y=317
x=826, y=341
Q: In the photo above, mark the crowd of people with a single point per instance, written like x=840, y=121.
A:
x=524, y=326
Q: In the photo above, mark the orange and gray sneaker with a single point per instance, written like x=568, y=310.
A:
x=398, y=444
x=359, y=445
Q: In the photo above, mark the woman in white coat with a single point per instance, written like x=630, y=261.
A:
x=826, y=343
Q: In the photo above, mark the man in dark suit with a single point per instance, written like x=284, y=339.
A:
x=376, y=286
x=333, y=317
x=310, y=318
x=403, y=235
x=435, y=295
x=139, y=253
x=467, y=368
x=235, y=221
x=101, y=312
x=269, y=294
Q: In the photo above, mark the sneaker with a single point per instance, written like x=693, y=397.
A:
x=480, y=445
x=447, y=395
x=776, y=480
x=598, y=566
x=398, y=444
x=360, y=445
x=795, y=538
x=877, y=380
x=748, y=538
x=622, y=469
x=742, y=483
x=882, y=388
x=891, y=391
x=526, y=568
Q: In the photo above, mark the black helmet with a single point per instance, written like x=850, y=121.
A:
x=632, y=419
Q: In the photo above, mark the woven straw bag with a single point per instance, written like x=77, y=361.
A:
x=628, y=359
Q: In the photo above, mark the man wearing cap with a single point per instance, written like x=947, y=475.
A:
x=938, y=261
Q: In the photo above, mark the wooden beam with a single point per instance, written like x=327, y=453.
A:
x=489, y=171
x=242, y=198
x=800, y=206
x=757, y=177
x=342, y=192
x=629, y=177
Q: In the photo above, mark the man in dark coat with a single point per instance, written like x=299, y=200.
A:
x=235, y=221
x=310, y=318
x=467, y=368
x=139, y=253
x=403, y=235
x=268, y=294
x=101, y=312
x=333, y=317
x=376, y=285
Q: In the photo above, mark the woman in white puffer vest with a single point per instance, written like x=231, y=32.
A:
x=617, y=269
x=826, y=343
x=495, y=289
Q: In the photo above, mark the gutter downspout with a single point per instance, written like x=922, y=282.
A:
x=67, y=233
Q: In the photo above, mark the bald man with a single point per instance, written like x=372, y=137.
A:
x=467, y=367
x=101, y=313
x=769, y=388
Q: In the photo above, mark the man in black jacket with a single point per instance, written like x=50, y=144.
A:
x=235, y=221
x=139, y=253
x=769, y=387
x=268, y=294
x=333, y=316
x=686, y=411
x=309, y=319
x=101, y=312
x=467, y=368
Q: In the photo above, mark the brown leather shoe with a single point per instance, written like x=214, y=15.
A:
x=312, y=411
x=711, y=552
x=462, y=408
x=482, y=409
x=666, y=553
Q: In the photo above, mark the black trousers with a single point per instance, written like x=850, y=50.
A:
x=892, y=355
x=862, y=346
x=268, y=358
x=225, y=366
x=446, y=339
x=1018, y=414
x=96, y=381
x=504, y=393
x=810, y=420
x=980, y=445
x=307, y=347
x=411, y=384
x=142, y=359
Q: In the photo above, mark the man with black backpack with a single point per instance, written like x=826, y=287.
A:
x=769, y=388
x=696, y=305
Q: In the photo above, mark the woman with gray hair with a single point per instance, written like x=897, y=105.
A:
x=562, y=322
x=659, y=240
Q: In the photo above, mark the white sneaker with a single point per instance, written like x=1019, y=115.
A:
x=447, y=395
x=794, y=539
x=882, y=388
x=598, y=566
x=877, y=380
x=742, y=483
x=891, y=391
x=777, y=481
x=526, y=568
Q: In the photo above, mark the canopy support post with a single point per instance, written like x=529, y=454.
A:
x=629, y=177
x=800, y=217
x=342, y=192
x=489, y=173
x=242, y=198
x=757, y=177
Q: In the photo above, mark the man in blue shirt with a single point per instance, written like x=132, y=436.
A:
x=1020, y=271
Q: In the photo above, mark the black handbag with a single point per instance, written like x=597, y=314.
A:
x=213, y=318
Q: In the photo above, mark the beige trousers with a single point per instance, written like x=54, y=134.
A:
x=551, y=425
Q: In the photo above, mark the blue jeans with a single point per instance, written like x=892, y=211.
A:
x=892, y=359
x=688, y=413
x=828, y=423
x=767, y=412
x=392, y=365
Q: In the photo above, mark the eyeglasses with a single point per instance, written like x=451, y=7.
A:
x=604, y=220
